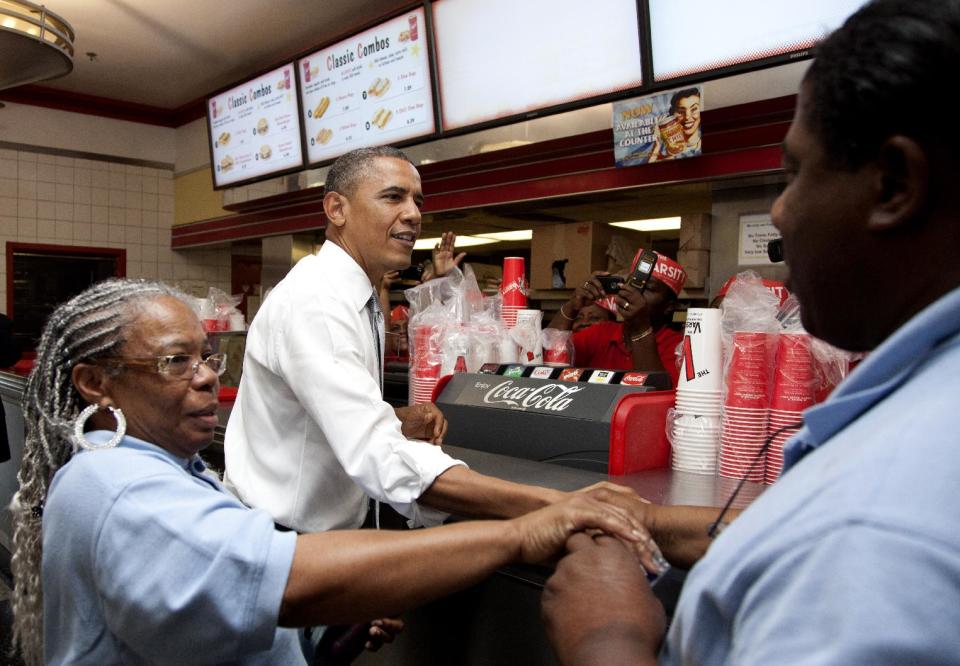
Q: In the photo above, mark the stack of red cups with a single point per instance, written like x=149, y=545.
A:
x=793, y=392
x=425, y=361
x=513, y=290
x=744, y=429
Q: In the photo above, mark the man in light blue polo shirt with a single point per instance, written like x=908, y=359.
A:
x=853, y=557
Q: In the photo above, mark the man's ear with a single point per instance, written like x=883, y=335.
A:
x=334, y=207
x=903, y=173
x=92, y=382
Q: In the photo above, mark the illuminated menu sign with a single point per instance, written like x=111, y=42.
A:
x=497, y=59
x=698, y=36
x=368, y=90
x=255, y=129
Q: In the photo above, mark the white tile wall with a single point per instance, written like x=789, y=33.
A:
x=69, y=201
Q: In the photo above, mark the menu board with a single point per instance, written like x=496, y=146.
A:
x=255, y=129
x=702, y=35
x=501, y=58
x=371, y=89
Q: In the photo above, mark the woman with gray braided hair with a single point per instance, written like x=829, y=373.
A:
x=126, y=550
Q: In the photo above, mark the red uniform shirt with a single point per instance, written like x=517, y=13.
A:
x=601, y=346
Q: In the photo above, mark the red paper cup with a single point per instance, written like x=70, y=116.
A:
x=513, y=289
x=559, y=357
x=754, y=396
x=756, y=477
x=509, y=315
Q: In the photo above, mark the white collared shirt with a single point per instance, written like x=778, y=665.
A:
x=310, y=437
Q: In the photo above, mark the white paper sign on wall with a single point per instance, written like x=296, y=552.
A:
x=756, y=230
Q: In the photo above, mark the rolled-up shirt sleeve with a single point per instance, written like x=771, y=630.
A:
x=320, y=355
x=191, y=563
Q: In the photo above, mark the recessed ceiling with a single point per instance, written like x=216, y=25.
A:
x=167, y=53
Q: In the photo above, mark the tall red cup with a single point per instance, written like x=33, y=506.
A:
x=749, y=371
x=514, y=285
x=793, y=386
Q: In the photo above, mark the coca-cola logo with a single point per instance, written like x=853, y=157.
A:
x=549, y=397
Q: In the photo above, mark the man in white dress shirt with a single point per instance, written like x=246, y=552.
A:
x=310, y=437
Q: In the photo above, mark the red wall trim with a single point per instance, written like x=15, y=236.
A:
x=119, y=253
x=739, y=140
x=92, y=105
x=756, y=160
x=259, y=230
x=314, y=209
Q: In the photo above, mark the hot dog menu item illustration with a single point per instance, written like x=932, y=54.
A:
x=379, y=87
x=226, y=163
x=223, y=139
x=324, y=135
x=321, y=107
x=265, y=151
x=382, y=117
x=262, y=126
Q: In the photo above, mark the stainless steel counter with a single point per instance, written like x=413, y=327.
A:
x=662, y=486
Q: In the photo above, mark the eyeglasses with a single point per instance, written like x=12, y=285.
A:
x=175, y=366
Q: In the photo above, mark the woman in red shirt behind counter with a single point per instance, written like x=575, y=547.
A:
x=642, y=341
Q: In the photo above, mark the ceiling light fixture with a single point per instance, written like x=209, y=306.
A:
x=35, y=44
x=655, y=224
x=462, y=241
x=519, y=235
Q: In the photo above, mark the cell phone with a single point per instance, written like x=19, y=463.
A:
x=775, y=250
x=643, y=270
x=414, y=272
x=611, y=283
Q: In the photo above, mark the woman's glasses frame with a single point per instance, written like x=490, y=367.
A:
x=174, y=366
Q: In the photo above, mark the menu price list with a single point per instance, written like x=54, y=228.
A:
x=255, y=128
x=371, y=89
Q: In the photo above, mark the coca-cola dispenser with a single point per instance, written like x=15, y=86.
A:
x=601, y=427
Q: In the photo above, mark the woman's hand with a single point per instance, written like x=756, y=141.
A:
x=585, y=294
x=544, y=532
x=443, y=259
x=383, y=630
x=633, y=307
